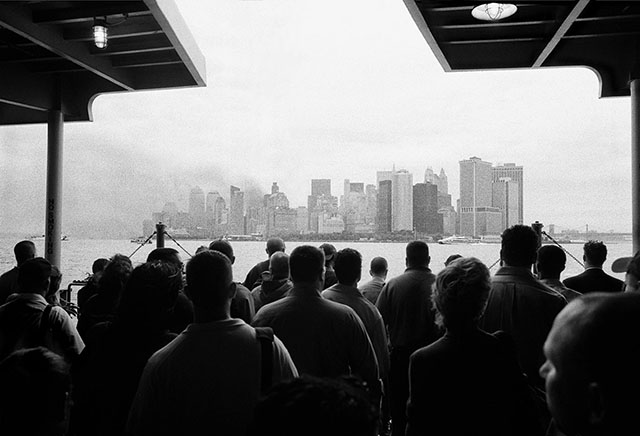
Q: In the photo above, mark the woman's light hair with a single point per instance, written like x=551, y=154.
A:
x=460, y=293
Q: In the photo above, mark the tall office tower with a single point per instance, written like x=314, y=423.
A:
x=515, y=173
x=236, y=211
x=214, y=211
x=477, y=214
x=384, y=206
x=320, y=201
x=372, y=197
x=426, y=218
x=442, y=182
x=196, y=202
x=505, y=197
x=321, y=187
x=354, y=206
x=402, y=201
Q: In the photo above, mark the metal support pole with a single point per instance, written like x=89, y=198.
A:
x=635, y=162
x=53, y=217
x=160, y=235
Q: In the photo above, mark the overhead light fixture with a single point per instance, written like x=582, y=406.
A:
x=100, y=33
x=493, y=11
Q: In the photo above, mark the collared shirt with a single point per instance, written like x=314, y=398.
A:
x=370, y=317
x=20, y=321
x=206, y=381
x=525, y=308
x=558, y=286
x=371, y=289
x=325, y=339
x=405, y=306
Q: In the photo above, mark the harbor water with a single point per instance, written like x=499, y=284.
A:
x=79, y=254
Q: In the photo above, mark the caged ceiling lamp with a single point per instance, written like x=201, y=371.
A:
x=493, y=11
x=100, y=33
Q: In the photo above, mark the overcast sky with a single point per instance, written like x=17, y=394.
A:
x=334, y=89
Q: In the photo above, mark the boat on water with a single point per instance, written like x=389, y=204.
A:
x=459, y=240
x=41, y=238
x=140, y=240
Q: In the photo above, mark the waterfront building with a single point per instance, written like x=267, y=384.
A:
x=477, y=214
x=354, y=206
x=383, y=220
x=330, y=223
x=197, y=211
x=214, y=212
x=515, y=173
x=320, y=202
x=449, y=220
x=302, y=219
x=426, y=219
x=402, y=201
x=372, y=199
x=281, y=220
x=505, y=196
x=236, y=211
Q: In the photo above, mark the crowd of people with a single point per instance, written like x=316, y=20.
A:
x=302, y=347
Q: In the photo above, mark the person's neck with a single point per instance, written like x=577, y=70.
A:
x=418, y=266
x=548, y=276
x=526, y=267
x=203, y=315
x=309, y=286
x=588, y=264
x=377, y=276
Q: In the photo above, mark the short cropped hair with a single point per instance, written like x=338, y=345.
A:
x=99, y=265
x=279, y=265
x=417, y=253
x=274, y=244
x=315, y=407
x=223, y=247
x=348, y=266
x=519, y=246
x=452, y=258
x=595, y=252
x=35, y=388
x=209, y=276
x=24, y=250
x=551, y=259
x=379, y=265
x=306, y=263
x=165, y=254
x=461, y=292
x=150, y=294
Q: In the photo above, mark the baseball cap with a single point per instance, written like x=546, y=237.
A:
x=622, y=264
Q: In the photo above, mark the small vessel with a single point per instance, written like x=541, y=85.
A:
x=140, y=240
x=458, y=240
x=41, y=238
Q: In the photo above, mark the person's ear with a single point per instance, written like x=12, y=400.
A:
x=596, y=405
x=232, y=290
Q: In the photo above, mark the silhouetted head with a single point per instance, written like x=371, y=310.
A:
x=417, y=254
x=551, y=261
x=315, y=407
x=306, y=264
x=348, y=266
x=591, y=371
x=24, y=250
x=279, y=265
x=210, y=280
x=34, y=276
x=150, y=294
x=452, y=258
x=329, y=254
x=223, y=247
x=166, y=254
x=275, y=244
x=34, y=399
x=461, y=292
x=99, y=265
x=115, y=276
x=379, y=267
x=595, y=253
x=519, y=246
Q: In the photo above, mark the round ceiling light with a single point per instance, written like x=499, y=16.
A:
x=493, y=11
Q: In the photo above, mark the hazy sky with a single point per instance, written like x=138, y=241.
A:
x=334, y=89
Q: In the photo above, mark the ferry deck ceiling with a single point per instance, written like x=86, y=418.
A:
x=48, y=58
x=603, y=36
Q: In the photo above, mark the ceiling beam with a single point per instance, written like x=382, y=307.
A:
x=560, y=32
x=18, y=19
x=146, y=59
x=491, y=41
x=137, y=45
x=496, y=24
x=80, y=14
x=608, y=18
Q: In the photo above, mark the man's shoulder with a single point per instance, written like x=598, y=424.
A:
x=13, y=272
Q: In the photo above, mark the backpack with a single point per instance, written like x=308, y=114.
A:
x=265, y=337
x=36, y=336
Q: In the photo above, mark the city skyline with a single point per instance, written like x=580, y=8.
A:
x=295, y=90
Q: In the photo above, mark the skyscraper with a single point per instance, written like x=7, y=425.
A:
x=477, y=214
x=197, y=211
x=321, y=187
x=402, y=201
x=515, y=173
x=506, y=198
x=384, y=206
x=236, y=211
x=320, y=201
x=426, y=218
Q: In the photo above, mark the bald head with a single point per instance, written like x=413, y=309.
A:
x=24, y=250
x=275, y=245
x=593, y=352
x=279, y=265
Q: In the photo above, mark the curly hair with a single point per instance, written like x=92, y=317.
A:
x=595, y=252
x=460, y=293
